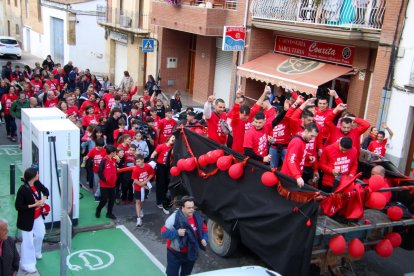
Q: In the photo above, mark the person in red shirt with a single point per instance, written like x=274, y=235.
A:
x=213, y=119
x=91, y=101
x=166, y=126
x=107, y=181
x=345, y=129
x=96, y=154
x=124, y=141
x=90, y=117
x=161, y=152
x=240, y=116
x=50, y=99
x=193, y=124
x=296, y=153
x=72, y=107
x=255, y=142
x=141, y=175
x=6, y=101
x=36, y=84
x=268, y=110
x=182, y=224
x=379, y=145
x=380, y=170
x=372, y=135
x=154, y=116
x=109, y=98
x=338, y=159
x=121, y=130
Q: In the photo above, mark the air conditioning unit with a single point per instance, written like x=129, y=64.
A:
x=125, y=21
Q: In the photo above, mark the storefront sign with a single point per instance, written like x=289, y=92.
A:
x=233, y=38
x=120, y=37
x=334, y=53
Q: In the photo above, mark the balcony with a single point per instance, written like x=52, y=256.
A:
x=197, y=17
x=127, y=21
x=346, y=19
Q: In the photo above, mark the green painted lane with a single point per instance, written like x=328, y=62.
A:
x=106, y=252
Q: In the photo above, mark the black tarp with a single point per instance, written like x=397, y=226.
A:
x=264, y=220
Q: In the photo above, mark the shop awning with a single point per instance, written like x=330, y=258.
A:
x=293, y=73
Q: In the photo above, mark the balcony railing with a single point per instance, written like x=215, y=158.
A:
x=345, y=14
x=128, y=20
x=223, y=4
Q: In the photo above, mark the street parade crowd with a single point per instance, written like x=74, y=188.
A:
x=127, y=137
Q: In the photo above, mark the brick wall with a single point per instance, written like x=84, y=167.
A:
x=173, y=44
x=205, y=64
x=383, y=57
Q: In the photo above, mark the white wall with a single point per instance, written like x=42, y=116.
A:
x=399, y=118
x=2, y=17
x=89, y=51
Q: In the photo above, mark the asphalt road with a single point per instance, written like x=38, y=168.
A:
x=27, y=59
x=400, y=263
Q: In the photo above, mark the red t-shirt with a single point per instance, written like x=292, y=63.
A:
x=162, y=151
x=129, y=159
x=38, y=210
x=295, y=158
x=109, y=101
x=51, y=103
x=89, y=119
x=270, y=114
x=166, y=128
x=6, y=102
x=97, y=156
x=85, y=104
x=36, y=85
x=157, y=120
x=215, y=132
x=141, y=174
x=333, y=158
x=257, y=141
x=73, y=110
x=281, y=132
x=378, y=148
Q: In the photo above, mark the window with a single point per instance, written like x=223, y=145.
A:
x=8, y=28
x=17, y=29
x=27, y=8
x=15, y=3
x=8, y=2
x=121, y=7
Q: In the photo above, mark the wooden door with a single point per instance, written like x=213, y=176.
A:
x=191, y=63
x=410, y=160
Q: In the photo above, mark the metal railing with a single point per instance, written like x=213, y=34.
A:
x=221, y=4
x=349, y=14
x=134, y=20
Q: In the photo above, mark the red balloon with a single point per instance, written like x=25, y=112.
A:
x=175, y=171
x=218, y=152
x=395, y=213
x=189, y=164
x=337, y=244
x=202, y=160
x=376, y=182
x=211, y=158
x=356, y=248
x=308, y=223
x=181, y=164
x=376, y=200
x=224, y=162
x=269, y=179
x=394, y=238
x=236, y=171
x=384, y=248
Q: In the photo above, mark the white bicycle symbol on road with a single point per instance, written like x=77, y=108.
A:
x=93, y=259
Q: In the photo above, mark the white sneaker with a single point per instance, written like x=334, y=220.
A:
x=139, y=222
x=165, y=211
x=141, y=214
x=39, y=256
x=29, y=270
x=159, y=206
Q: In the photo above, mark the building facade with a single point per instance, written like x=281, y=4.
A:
x=126, y=26
x=400, y=115
x=11, y=19
x=190, y=36
x=67, y=30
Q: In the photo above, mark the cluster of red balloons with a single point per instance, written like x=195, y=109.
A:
x=356, y=248
x=376, y=200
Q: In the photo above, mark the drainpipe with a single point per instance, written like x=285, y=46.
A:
x=237, y=81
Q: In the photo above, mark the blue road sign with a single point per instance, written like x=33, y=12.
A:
x=148, y=45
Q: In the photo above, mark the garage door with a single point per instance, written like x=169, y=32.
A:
x=121, y=63
x=222, y=76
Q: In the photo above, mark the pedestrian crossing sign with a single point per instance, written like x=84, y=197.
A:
x=148, y=45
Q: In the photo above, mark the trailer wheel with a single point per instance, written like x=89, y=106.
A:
x=220, y=241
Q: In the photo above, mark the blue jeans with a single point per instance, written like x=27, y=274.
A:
x=175, y=260
x=276, y=155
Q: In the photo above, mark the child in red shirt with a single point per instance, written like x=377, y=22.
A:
x=141, y=175
x=97, y=154
x=379, y=145
x=161, y=152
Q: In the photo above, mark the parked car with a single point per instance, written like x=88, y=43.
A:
x=183, y=115
x=10, y=46
x=241, y=271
